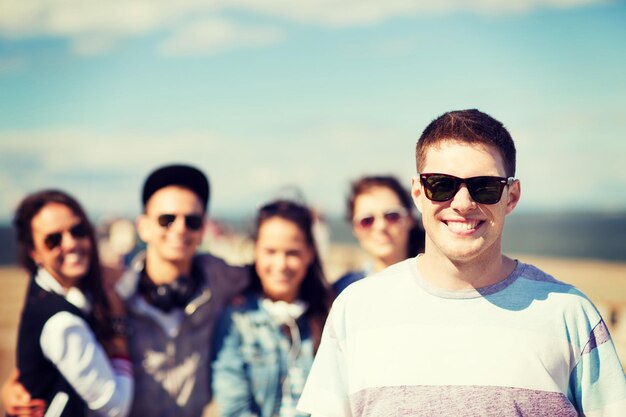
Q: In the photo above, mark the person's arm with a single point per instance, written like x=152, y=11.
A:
x=106, y=384
x=117, y=346
x=17, y=401
x=598, y=383
x=235, y=279
x=231, y=386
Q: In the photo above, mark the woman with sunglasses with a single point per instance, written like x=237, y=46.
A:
x=381, y=213
x=265, y=345
x=71, y=349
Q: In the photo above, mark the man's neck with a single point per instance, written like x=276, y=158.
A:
x=162, y=271
x=454, y=275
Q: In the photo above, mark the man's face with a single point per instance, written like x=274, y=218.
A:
x=176, y=241
x=460, y=229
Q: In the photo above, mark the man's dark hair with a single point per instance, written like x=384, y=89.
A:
x=472, y=126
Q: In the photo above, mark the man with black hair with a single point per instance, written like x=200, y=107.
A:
x=174, y=296
x=462, y=329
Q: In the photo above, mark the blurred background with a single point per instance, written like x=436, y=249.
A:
x=302, y=97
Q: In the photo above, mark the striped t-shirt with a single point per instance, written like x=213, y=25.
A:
x=527, y=346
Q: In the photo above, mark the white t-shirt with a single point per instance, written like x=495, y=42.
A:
x=526, y=346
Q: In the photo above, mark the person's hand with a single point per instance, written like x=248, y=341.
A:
x=17, y=401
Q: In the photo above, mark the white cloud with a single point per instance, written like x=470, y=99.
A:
x=368, y=12
x=558, y=166
x=59, y=150
x=77, y=17
x=93, y=45
x=106, y=170
x=94, y=26
x=214, y=35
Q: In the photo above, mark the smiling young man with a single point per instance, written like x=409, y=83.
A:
x=463, y=329
x=174, y=296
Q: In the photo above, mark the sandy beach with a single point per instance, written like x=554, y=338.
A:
x=603, y=282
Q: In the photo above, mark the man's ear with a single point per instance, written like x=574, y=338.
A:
x=143, y=228
x=513, y=196
x=416, y=192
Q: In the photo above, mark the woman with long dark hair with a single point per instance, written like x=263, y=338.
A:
x=265, y=345
x=72, y=350
x=381, y=213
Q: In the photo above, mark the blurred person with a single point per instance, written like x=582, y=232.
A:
x=173, y=297
x=72, y=352
x=463, y=329
x=265, y=344
x=117, y=242
x=381, y=213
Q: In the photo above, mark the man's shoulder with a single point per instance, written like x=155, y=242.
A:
x=543, y=286
x=532, y=275
x=221, y=275
x=208, y=261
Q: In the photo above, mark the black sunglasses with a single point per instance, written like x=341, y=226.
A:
x=392, y=216
x=483, y=190
x=192, y=221
x=78, y=231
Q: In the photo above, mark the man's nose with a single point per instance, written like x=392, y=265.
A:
x=179, y=224
x=462, y=200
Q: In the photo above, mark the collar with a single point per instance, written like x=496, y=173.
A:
x=127, y=285
x=282, y=312
x=73, y=294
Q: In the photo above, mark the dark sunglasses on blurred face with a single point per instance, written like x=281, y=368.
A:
x=391, y=216
x=192, y=221
x=483, y=190
x=78, y=231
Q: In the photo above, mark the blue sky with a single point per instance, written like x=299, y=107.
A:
x=274, y=94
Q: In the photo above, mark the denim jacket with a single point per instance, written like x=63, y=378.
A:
x=251, y=374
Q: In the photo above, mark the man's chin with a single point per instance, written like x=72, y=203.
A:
x=178, y=256
x=466, y=253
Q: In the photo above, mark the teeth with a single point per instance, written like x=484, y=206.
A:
x=73, y=257
x=462, y=226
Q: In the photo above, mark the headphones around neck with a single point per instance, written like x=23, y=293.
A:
x=165, y=297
